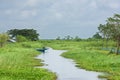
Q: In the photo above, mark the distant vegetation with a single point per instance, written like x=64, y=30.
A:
x=17, y=60
x=68, y=37
x=29, y=34
x=20, y=38
x=97, y=36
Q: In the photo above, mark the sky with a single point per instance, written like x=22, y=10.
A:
x=53, y=18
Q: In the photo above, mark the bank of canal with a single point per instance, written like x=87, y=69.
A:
x=65, y=68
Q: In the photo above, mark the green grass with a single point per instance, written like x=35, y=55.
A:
x=17, y=62
x=89, y=55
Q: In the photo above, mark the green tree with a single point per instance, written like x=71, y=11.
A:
x=3, y=39
x=68, y=37
x=111, y=29
x=20, y=38
x=97, y=36
x=58, y=38
x=104, y=30
x=77, y=38
x=114, y=29
x=30, y=34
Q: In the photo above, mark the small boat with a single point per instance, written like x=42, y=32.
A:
x=42, y=50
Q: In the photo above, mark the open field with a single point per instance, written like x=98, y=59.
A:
x=88, y=55
x=17, y=60
x=17, y=63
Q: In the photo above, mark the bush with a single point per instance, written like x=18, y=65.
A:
x=3, y=39
x=20, y=38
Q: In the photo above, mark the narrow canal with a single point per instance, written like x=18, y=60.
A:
x=65, y=68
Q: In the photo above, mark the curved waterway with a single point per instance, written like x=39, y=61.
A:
x=65, y=68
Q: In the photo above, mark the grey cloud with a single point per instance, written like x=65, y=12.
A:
x=57, y=17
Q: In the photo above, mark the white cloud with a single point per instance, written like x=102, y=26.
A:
x=20, y=14
x=114, y=5
x=31, y=3
x=8, y=12
x=93, y=4
x=28, y=13
x=52, y=14
x=58, y=15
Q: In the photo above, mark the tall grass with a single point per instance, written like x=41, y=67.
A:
x=90, y=55
x=17, y=62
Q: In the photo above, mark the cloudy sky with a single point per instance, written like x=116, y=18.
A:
x=52, y=18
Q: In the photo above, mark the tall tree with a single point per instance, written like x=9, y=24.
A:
x=30, y=34
x=114, y=26
x=104, y=30
x=97, y=36
x=112, y=29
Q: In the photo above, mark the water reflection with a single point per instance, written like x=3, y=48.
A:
x=65, y=68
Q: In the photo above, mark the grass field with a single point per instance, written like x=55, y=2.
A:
x=89, y=55
x=17, y=60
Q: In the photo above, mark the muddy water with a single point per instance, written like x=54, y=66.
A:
x=65, y=68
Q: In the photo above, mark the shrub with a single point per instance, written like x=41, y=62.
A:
x=20, y=38
x=3, y=39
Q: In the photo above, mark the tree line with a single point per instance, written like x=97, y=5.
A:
x=111, y=30
x=77, y=38
x=29, y=34
x=19, y=35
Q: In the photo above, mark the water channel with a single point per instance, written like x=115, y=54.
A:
x=65, y=68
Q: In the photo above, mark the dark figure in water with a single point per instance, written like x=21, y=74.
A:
x=42, y=50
